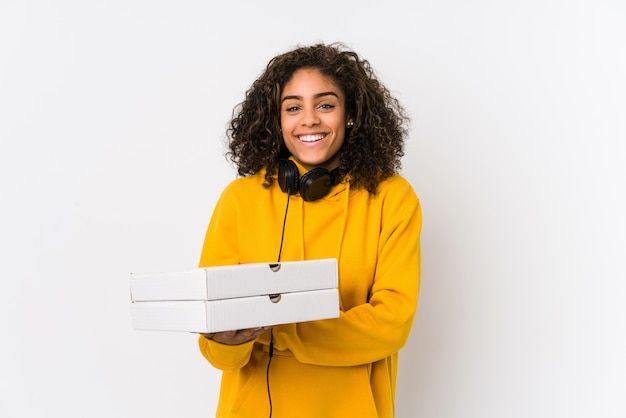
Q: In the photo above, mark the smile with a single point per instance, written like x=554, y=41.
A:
x=311, y=138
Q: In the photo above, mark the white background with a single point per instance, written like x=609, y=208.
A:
x=112, y=119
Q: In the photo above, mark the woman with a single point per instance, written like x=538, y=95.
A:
x=319, y=110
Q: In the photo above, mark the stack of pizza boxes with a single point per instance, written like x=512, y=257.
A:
x=224, y=298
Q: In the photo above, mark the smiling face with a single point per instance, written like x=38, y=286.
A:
x=313, y=119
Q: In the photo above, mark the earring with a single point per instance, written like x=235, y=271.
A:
x=350, y=124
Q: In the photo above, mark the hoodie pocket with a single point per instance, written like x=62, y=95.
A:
x=307, y=391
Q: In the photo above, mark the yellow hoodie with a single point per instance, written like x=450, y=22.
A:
x=344, y=367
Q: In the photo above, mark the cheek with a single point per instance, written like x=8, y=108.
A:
x=341, y=131
x=285, y=124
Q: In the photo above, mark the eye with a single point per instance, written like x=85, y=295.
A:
x=291, y=109
x=326, y=106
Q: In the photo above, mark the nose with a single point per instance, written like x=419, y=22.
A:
x=310, y=117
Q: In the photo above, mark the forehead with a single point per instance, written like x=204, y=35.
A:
x=310, y=80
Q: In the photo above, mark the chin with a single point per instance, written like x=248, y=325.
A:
x=314, y=163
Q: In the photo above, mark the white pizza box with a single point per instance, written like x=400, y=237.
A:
x=234, y=281
x=236, y=313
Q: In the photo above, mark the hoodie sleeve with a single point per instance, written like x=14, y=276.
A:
x=225, y=357
x=221, y=248
x=376, y=329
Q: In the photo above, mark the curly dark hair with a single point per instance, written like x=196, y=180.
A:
x=372, y=147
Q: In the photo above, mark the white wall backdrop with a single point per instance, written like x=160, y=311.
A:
x=112, y=117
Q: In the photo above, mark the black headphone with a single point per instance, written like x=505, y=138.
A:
x=313, y=185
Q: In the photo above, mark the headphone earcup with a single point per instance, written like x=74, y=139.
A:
x=315, y=184
x=288, y=177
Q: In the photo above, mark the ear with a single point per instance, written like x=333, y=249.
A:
x=349, y=122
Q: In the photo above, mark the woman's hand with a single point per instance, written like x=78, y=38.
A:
x=235, y=337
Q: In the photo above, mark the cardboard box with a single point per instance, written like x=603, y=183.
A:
x=237, y=313
x=225, y=282
x=235, y=297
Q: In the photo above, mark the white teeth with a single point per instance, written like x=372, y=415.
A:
x=310, y=138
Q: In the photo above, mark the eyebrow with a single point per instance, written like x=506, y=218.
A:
x=317, y=96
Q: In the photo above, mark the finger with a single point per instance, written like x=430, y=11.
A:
x=256, y=332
